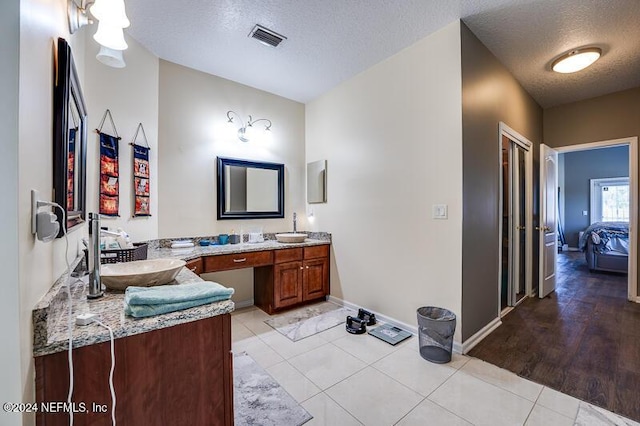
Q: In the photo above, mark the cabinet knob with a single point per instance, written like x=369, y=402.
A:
x=307, y=267
x=193, y=269
x=301, y=267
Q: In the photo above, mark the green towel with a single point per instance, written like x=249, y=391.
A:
x=149, y=301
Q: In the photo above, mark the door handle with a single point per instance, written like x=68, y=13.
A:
x=520, y=228
x=244, y=259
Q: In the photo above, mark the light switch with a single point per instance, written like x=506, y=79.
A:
x=439, y=211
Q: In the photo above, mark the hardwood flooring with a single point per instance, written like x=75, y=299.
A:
x=583, y=339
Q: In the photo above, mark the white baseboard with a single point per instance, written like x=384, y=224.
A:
x=457, y=346
x=243, y=304
x=477, y=338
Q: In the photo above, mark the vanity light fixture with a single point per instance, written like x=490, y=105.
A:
x=576, y=59
x=244, y=129
x=110, y=35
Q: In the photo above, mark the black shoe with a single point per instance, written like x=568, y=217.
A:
x=356, y=325
x=368, y=317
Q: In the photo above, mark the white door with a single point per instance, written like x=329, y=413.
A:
x=548, y=219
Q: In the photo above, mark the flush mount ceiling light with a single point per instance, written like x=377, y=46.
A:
x=244, y=129
x=576, y=60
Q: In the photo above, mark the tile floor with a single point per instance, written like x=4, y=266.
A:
x=343, y=379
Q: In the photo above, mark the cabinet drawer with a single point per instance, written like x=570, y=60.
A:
x=316, y=251
x=195, y=266
x=236, y=261
x=287, y=255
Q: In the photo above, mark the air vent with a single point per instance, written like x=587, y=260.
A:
x=266, y=36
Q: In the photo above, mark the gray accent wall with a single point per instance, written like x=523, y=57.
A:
x=11, y=388
x=490, y=94
x=579, y=168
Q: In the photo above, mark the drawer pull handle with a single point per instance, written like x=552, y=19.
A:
x=244, y=259
x=194, y=269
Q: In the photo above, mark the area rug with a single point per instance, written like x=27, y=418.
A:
x=259, y=400
x=590, y=415
x=309, y=320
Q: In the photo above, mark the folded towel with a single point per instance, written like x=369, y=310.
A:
x=141, y=311
x=176, y=293
x=142, y=302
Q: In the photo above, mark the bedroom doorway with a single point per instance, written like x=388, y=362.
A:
x=602, y=201
x=515, y=227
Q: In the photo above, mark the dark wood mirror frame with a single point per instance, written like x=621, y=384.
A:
x=67, y=90
x=222, y=184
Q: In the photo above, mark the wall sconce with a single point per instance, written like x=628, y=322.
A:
x=244, y=131
x=112, y=20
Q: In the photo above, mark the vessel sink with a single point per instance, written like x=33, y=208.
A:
x=291, y=237
x=142, y=273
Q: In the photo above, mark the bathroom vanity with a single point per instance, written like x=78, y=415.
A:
x=174, y=368
x=284, y=275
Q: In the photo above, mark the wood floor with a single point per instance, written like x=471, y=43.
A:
x=583, y=340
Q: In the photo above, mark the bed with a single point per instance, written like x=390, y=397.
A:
x=606, y=246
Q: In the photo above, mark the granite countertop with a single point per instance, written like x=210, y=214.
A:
x=200, y=251
x=50, y=314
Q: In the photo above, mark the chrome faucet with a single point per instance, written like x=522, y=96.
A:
x=295, y=224
x=95, y=283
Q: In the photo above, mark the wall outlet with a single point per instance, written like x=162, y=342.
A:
x=585, y=213
x=439, y=211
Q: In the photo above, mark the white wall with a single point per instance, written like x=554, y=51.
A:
x=10, y=391
x=193, y=131
x=131, y=94
x=41, y=23
x=393, y=140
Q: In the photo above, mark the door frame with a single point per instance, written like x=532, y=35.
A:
x=505, y=130
x=632, y=143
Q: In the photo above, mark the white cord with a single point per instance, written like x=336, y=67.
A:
x=70, y=312
x=113, y=367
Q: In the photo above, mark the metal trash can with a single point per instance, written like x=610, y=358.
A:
x=436, y=327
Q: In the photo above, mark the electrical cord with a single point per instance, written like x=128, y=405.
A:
x=70, y=312
x=113, y=367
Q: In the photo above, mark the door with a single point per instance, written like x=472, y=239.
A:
x=548, y=219
x=315, y=278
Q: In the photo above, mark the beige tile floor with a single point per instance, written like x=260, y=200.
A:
x=344, y=379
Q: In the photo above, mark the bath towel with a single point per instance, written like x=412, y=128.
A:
x=149, y=301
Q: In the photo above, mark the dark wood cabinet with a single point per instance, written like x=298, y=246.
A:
x=299, y=275
x=180, y=375
x=195, y=266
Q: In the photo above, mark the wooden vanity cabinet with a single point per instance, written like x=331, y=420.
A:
x=195, y=266
x=180, y=375
x=299, y=275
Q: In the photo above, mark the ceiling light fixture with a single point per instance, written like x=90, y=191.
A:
x=244, y=130
x=576, y=59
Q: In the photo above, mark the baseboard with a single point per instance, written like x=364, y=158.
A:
x=477, y=338
x=457, y=347
x=243, y=304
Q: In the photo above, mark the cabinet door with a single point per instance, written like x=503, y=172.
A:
x=316, y=279
x=287, y=284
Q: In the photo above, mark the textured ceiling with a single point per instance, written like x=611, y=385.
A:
x=330, y=41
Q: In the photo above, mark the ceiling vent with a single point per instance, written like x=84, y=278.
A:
x=266, y=36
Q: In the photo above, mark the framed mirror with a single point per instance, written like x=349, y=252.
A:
x=250, y=189
x=69, y=140
x=317, y=182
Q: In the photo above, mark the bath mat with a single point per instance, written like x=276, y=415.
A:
x=259, y=400
x=309, y=320
x=590, y=415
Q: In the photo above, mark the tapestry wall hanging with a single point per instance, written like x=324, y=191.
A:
x=141, y=197
x=109, y=170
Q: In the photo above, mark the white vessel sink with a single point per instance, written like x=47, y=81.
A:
x=142, y=273
x=291, y=237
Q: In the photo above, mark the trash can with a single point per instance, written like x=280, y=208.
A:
x=436, y=327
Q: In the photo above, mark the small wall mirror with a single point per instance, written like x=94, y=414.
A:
x=317, y=182
x=250, y=189
x=69, y=140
